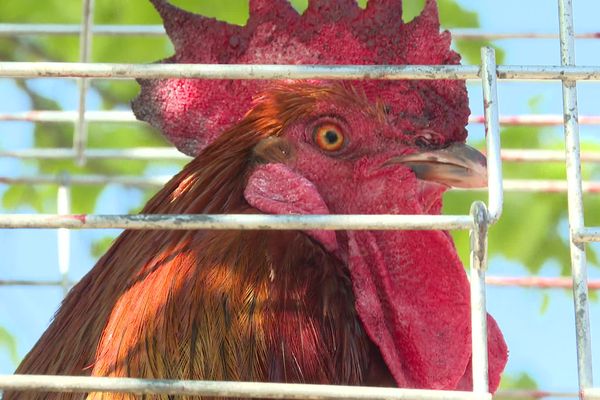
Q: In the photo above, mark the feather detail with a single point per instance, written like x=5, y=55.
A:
x=223, y=305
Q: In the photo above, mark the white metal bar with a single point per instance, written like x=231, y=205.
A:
x=141, y=153
x=71, y=116
x=535, y=155
x=499, y=281
x=234, y=71
x=550, y=72
x=135, y=181
x=492, y=133
x=525, y=185
x=169, y=153
x=537, y=282
x=591, y=394
x=85, y=48
x=238, y=221
x=63, y=202
x=530, y=120
x=253, y=71
x=587, y=234
x=535, y=394
x=476, y=34
x=127, y=116
x=545, y=186
x=8, y=29
x=478, y=235
x=575, y=198
x=224, y=389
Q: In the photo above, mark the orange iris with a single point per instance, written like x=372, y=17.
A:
x=329, y=137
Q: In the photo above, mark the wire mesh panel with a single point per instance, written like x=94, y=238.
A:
x=477, y=221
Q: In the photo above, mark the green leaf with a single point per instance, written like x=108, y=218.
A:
x=231, y=11
x=470, y=50
x=519, y=382
x=100, y=246
x=545, y=303
x=8, y=342
x=411, y=9
x=22, y=195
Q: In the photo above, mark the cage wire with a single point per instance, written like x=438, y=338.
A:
x=477, y=222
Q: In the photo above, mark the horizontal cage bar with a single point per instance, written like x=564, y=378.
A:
x=238, y=221
x=591, y=393
x=15, y=29
x=127, y=116
x=500, y=281
x=253, y=71
x=535, y=394
x=587, y=234
x=167, y=153
x=226, y=389
x=510, y=185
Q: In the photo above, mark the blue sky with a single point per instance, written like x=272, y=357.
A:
x=542, y=344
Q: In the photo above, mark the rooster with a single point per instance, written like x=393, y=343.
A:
x=381, y=308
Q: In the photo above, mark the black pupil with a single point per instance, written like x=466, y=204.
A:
x=422, y=142
x=331, y=137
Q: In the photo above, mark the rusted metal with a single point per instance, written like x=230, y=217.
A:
x=237, y=221
x=492, y=134
x=249, y=71
x=575, y=198
x=478, y=267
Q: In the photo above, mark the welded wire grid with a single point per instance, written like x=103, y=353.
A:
x=477, y=222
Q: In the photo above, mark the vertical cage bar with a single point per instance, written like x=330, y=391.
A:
x=492, y=132
x=85, y=46
x=575, y=198
x=64, y=235
x=478, y=266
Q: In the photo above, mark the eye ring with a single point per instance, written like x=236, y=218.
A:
x=329, y=137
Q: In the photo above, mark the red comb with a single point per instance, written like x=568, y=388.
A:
x=192, y=113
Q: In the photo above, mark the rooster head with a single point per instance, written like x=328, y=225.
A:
x=352, y=147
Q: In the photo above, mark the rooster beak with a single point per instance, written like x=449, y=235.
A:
x=457, y=165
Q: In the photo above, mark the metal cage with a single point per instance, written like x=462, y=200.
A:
x=477, y=222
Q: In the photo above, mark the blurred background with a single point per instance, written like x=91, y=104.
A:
x=531, y=239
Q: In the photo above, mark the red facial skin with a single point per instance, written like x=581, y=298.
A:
x=411, y=290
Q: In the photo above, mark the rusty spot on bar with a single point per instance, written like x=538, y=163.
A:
x=80, y=217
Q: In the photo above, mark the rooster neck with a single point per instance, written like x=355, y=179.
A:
x=266, y=306
x=250, y=305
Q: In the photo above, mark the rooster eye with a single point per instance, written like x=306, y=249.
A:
x=329, y=137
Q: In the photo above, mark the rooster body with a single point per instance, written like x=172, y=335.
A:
x=383, y=308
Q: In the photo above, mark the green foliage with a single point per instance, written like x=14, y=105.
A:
x=515, y=383
x=18, y=196
x=539, y=239
x=8, y=342
x=99, y=247
x=453, y=15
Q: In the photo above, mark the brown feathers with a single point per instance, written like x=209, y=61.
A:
x=219, y=305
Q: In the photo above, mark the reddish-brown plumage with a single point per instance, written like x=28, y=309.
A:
x=230, y=305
